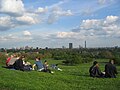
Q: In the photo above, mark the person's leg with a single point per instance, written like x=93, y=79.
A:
x=9, y=67
x=48, y=70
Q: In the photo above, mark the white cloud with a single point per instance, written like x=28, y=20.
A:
x=26, y=33
x=12, y=7
x=41, y=10
x=26, y=20
x=9, y=37
x=99, y=27
x=6, y=23
x=91, y=29
x=65, y=34
x=88, y=24
x=13, y=14
x=56, y=13
x=111, y=19
x=16, y=37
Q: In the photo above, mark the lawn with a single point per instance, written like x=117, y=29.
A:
x=71, y=78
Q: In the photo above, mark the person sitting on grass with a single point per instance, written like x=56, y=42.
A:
x=46, y=69
x=110, y=69
x=10, y=61
x=95, y=71
x=19, y=64
x=38, y=64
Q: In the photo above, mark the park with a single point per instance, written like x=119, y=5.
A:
x=59, y=44
x=73, y=77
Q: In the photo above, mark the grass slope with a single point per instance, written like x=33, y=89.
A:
x=71, y=78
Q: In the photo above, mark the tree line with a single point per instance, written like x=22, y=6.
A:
x=69, y=56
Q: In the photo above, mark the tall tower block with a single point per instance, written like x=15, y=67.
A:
x=85, y=44
x=70, y=45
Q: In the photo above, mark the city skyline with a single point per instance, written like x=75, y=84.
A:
x=55, y=23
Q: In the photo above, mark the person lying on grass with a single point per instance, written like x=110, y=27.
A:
x=46, y=65
x=55, y=66
x=95, y=70
x=46, y=69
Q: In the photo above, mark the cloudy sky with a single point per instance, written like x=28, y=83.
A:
x=55, y=23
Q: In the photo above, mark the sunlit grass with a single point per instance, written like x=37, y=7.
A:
x=71, y=78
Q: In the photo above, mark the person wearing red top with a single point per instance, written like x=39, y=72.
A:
x=8, y=60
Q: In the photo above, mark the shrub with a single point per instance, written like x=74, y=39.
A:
x=73, y=59
x=87, y=59
x=117, y=60
x=105, y=54
x=2, y=58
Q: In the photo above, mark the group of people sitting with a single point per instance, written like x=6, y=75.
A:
x=109, y=72
x=19, y=63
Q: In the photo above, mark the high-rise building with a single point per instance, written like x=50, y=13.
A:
x=70, y=45
x=85, y=44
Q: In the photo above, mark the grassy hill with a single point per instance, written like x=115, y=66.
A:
x=71, y=78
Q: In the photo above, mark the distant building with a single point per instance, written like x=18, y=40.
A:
x=27, y=48
x=85, y=44
x=80, y=46
x=63, y=47
x=46, y=48
x=37, y=48
x=70, y=45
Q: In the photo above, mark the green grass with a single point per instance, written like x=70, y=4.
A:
x=71, y=78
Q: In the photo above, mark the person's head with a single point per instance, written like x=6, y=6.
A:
x=22, y=57
x=18, y=57
x=7, y=55
x=111, y=61
x=95, y=63
x=45, y=61
x=36, y=59
x=11, y=56
x=14, y=55
x=39, y=58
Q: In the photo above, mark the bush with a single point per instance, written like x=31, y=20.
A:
x=87, y=59
x=73, y=59
x=117, y=60
x=106, y=55
x=2, y=58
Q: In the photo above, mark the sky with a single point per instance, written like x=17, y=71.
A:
x=56, y=23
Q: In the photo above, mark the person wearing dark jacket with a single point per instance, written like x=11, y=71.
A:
x=18, y=65
x=95, y=70
x=110, y=70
